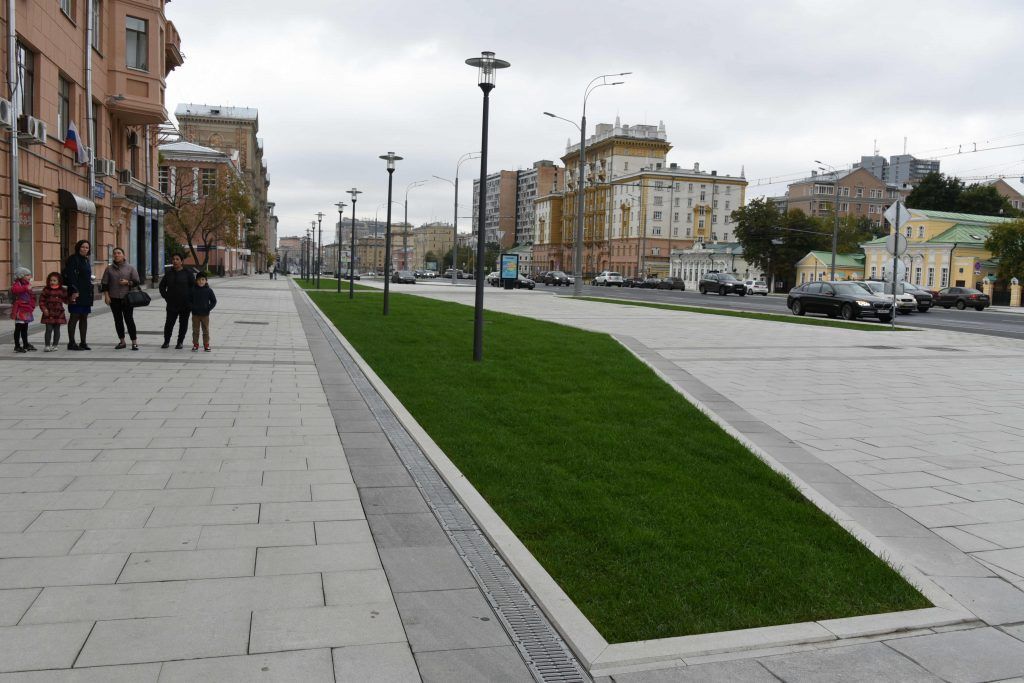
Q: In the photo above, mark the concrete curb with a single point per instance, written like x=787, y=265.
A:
x=602, y=658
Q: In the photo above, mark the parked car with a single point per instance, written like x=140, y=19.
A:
x=403, y=277
x=905, y=301
x=523, y=282
x=651, y=283
x=493, y=279
x=756, y=287
x=607, y=278
x=851, y=300
x=963, y=297
x=723, y=283
x=925, y=299
x=670, y=283
x=556, y=278
x=350, y=276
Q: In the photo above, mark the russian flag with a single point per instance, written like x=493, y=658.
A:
x=73, y=142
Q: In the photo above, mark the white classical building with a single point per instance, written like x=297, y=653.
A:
x=722, y=257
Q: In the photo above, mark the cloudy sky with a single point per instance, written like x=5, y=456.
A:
x=765, y=86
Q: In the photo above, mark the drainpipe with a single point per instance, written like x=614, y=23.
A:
x=14, y=83
x=949, y=282
x=90, y=124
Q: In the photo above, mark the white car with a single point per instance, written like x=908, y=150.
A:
x=608, y=278
x=756, y=287
x=905, y=301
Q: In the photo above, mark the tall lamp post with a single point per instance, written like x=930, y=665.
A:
x=305, y=257
x=313, y=265
x=835, y=213
x=577, y=287
x=486, y=66
x=405, y=229
x=354, y=193
x=455, y=216
x=320, y=246
x=341, y=207
x=390, y=158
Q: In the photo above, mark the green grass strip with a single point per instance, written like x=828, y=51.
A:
x=652, y=519
x=793, y=320
x=330, y=284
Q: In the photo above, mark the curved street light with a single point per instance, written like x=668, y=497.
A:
x=405, y=230
x=835, y=212
x=390, y=158
x=337, y=268
x=455, y=216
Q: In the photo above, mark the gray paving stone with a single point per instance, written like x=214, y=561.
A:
x=37, y=544
x=261, y=494
x=150, y=452
x=65, y=520
x=52, y=455
x=198, y=480
x=871, y=662
x=375, y=477
x=737, y=671
x=135, y=641
x=333, y=626
x=33, y=484
x=477, y=664
x=380, y=456
x=138, y=499
x=118, y=482
x=449, y=620
x=99, y=541
x=349, y=531
x=317, y=558
x=392, y=500
x=354, y=587
x=383, y=663
x=205, y=515
x=425, y=569
x=131, y=673
x=273, y=667
x=261, y=535
x=936, y=557
x=65, y=500
x=271, y=463
x=317, y=511
x=972, y=656
x=307, y=477
x=887, y=522
x=17, y=520
x=412, y=530
x=42, y=646
x=189, y=564
x=61, y=571
x=992, y=599
x=14, y=603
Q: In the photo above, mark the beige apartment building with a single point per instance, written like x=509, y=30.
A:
x=104, y=72
x=435, y=239
x=856, y=192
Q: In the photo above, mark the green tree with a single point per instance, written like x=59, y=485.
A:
x=758, y=228
x=853, y=232
x=208, y=215
x=464, y=255
x=492, y=250
x=800, y=234
x=984, y=200
x=1006, y=242
x=936, y=192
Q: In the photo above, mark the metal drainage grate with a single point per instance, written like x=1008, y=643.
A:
x=543, y=650
x=250, y=322
x=940, y=348
x=881, y=348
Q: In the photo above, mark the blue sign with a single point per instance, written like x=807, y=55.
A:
x=100, y=191
x=509, y=266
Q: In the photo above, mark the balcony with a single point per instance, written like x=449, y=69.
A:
x=173, y=55
x=135, y=104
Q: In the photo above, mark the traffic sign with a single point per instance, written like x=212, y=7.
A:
x=904, y=215
x=896, y=244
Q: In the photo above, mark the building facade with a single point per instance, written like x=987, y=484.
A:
x=511, y=201
x=817, y=265
x=693, y=263
x=434, y=239
x=109, y=83
x=898, y=169
x=857, y=192
x=1012, y=189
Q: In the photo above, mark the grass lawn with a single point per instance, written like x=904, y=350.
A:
x=653, y=520
x=331, y=284
x=792, y=319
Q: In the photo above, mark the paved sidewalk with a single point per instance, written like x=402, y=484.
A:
x=177, y=516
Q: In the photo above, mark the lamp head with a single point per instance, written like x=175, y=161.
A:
x=341, y=205
x=487, y=65
x=390, y=158
x=354, y=192
x=547, y=113
x=819, y=162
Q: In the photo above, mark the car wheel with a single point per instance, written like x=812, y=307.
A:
x=721, y=291
x=979, y=308
x=742, y=292
x=798, y=308
x=885, y=318
x=607, y=284
x=922, y=309
x=764, y=293
x=702, y=290
x=960, y=305
x=946, y=306
x=848, y=312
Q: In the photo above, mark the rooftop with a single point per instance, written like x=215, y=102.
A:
x=216, y=111
x=606, y=131
x=845, y=260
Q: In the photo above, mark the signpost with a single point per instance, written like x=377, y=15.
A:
x=896, y=243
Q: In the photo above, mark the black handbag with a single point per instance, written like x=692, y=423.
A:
x=136, y=297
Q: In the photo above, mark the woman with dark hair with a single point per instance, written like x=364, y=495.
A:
x=78, y=278
x=119, y=277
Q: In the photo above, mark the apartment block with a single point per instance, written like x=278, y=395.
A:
x=511, y=198
x=856, y=192
x=899, y=169
x=431, y=242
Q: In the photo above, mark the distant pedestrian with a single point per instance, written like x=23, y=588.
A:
x=202, y=300
x=175, y=286
x=51, y=301
x=23, y=306
x=78, y=278
x=118, y=279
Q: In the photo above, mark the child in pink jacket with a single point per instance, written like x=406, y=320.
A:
x=22, y=308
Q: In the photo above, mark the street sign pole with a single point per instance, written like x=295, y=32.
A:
x=895, y=256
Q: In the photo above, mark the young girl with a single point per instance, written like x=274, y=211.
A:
x=24, y=304
x=51, y=301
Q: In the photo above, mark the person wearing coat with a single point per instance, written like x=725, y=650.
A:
x=119, y=277
x=78, y=278
x=51, y=301
x=175, y=287
x=23, y=304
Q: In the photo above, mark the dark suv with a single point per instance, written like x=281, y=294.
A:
x=670, y=283
x=557, y=278
x=925, y=300
x=723, y=283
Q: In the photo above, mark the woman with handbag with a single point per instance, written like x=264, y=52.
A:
x=78, y=278
x=117, y=281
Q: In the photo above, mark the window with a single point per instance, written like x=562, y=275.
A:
x=920, y=231
x=97, y=24
x=675, y=216
x=702, y=198
x=690, y=188
x=858, y=209
x=714, y=218
x=871, y=208
x=625, y=166
x=874, y=271
x=917, y=275
x=27, y=74
x=844, y=206
x=137, y=43
x=26, y=240
x=714, y=204
x=657, y=215
x=689, y=203
x=700, y=224
x=209, y=180
x=727, y=204
x=725, y=237
x=658, y=200
x=860, y=192
x=687, y=230
x=94, y=140
x=714, y=189
x=931, y=277
x=68, y=8
x=728, y=189
x=909, y=231
x=164, y=180
x=63, y=106
x=689, y=219
x=677, y=201
x=944, y=282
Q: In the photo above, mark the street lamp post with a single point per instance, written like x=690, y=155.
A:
x=354, y=193
x=305, y=257
x=314, y=266
x=455, y=216
x=320, y=247
x=405, y=228
x=835, y=213
x=577, y=287
x=486, y=66
x=341, y=207
x=390, y=158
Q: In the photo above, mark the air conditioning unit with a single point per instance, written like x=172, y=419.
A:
x=105, y=167
x=6, y=114
x=124, y=176
x=40, y=135
x=28, y=130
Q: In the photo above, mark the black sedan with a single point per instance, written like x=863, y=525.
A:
x=403, y=277
x=722, y=283
x=847, y=299
x=632, y=282
x=963, y=297
x=925, y=300
x=652, y=283
x=670, y=283
x=556, y=278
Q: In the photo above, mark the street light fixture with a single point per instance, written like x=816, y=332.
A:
x=390, y=158
x=354, y=193
x=577, y=287
x=405, y=229
x=835, y=213
x=341, y=206
x=320, y=247
x=455, y=216
x=307, y=250
x=486, y=66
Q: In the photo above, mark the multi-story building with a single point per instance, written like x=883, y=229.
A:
x=860, y=193
x=1012, y=189
x=231, y=129
x=637, y=207
x=289, y=253
x=432, y=239
x=899, y=169
x=511, y=200
x=370, y=254
x=104, y=74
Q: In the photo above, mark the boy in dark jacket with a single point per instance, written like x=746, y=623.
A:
x=201, y=301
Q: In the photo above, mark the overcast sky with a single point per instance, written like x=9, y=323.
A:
x=769, y=86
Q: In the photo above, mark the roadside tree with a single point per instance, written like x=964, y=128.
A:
x=1006, y=242
x=208, y=211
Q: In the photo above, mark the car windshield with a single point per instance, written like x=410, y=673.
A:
x=968, y=290
x=726, y=277
x=850, y=289
x=614, y=274
x=557, y=273
x=405, y=273
x=875, y=287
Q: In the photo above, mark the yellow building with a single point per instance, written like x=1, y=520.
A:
x=817, y=265
x=945, y=249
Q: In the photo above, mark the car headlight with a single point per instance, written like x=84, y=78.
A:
x=865, y=304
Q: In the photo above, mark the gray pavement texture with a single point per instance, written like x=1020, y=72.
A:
x=229, y=516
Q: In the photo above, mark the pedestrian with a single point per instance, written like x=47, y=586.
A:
x=118, y=279
x=51, y=301
x=175, y=286
x=202, y=300
x=23, y=305
x=78, y=278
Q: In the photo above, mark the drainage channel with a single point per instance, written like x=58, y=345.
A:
x=543, y=650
